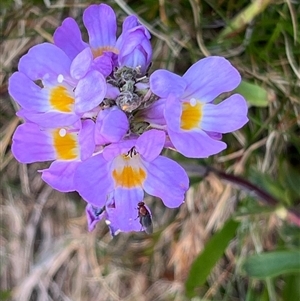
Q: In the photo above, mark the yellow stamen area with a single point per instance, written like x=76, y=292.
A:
x=191, y=115
x=61, y=100
x=129, y=177
x=66, y=147
x=99, y=51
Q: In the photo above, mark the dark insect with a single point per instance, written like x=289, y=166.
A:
x=145, y=218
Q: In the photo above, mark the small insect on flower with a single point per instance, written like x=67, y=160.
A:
x=145, y=218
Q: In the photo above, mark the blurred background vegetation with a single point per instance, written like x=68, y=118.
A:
x=237, y=235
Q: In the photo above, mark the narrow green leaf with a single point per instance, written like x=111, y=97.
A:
x=272, y=264
x=291, y=290
x=254, y=94
x=206, y=260
x=243, y=18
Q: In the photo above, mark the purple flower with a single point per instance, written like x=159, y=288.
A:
x=67, y=146
x=92, y=110
x=193, y=120
x=132, y=49
x=54, y=103
x=134, y=44
x=126, y=169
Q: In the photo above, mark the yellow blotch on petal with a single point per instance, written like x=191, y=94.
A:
x=99, y=51
x=66, y=146
x=61, y=100
x=191, y=115
x=129, y=177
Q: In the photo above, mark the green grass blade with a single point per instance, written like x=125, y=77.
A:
x=254, y=94
x=272, y=264
x=206, y=260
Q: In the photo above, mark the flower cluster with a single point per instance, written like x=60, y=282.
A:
x=92, y=109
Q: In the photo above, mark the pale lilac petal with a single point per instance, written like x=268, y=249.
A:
x=60, y=175
x=89, y=92
x=150, y=144
x=49, y=119
x=195, y=144
x=86, y=139
x=31, y=144
x=100, y=22
x=111, y=126
x=163, y=83
x=45, y=62
x=210, y=77
x=81, y=64
x=27, y=94
x=167, y=180
x=227, y=116
x=124, y=196
x=68, y=38
x=92, y=180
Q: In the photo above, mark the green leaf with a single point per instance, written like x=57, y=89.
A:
x=212, y=252
x=291, y=290
x=254, y=94
x=272, y=264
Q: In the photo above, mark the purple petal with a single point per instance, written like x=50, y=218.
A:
x=228, y=116
x=86, y=139
x=214, y=135
x=92, y=180
x=210, y=77
x=167, y=180
x=49, y=119
x=89, y=92
x=195, y=144
x=136, y=50
x=68, y=38
x=60, y=175
x=113, y=150
x=27, y=94
x=124, y=216
x=129, y=23
x=154, y=114
x=103, y=64
x=150, y=144
x=100, y=22
x=123, y=196
x=31, y=144
x=94, y=215
x=81, y=64
x=46, y=62
x=112, y=92
x=173, y=111
x=111, y=126
x=163, y=83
